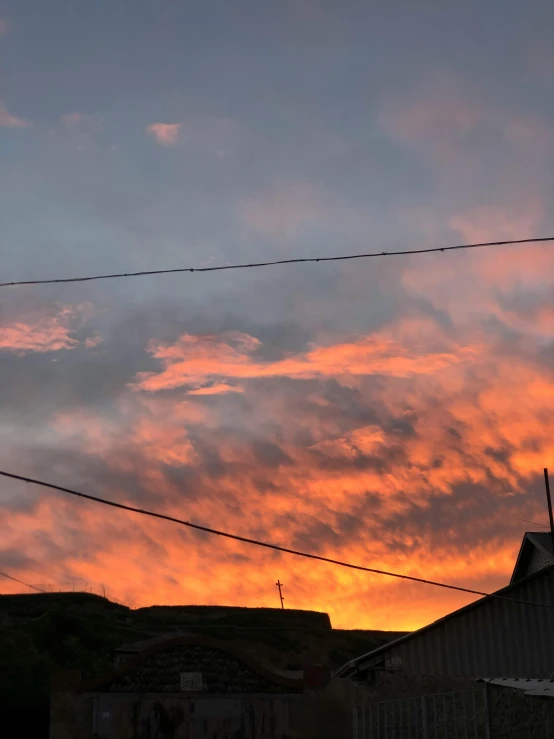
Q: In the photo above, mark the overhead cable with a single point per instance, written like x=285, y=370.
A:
x=82, y=616
x=298, y=260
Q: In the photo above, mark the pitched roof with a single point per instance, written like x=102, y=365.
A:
x=533, y=541
x=351, y=667
x=543, y=539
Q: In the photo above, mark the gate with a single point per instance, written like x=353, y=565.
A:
x=460, y=715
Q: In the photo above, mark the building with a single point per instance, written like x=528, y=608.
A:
x=427, y=683
x=492, y=636
x=190, y=687
x=520, y=708
x=176, y=688
x=535, y=553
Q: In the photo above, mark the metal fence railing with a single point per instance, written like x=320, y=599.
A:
x=460, y=715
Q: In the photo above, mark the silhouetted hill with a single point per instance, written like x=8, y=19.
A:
x=38, y=631
x=221, y=616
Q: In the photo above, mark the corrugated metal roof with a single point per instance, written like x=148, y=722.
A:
x=535, y=687
x=474, y=639
x=543, y=539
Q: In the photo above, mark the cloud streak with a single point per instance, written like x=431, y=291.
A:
x=193, y=359
x=8, y=120
x=166, y=134
x=41, y=334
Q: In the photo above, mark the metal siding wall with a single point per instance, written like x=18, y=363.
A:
x=447, y=638
x=494, y=631
x=495, y=638
x=537, y=561
x=511, y=625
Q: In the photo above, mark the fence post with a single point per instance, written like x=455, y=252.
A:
x=424, y=718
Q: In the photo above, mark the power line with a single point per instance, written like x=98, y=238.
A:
x=299, y=260
x=27, y=585
x=535, y=523
x=86, y=617
x=267, y=545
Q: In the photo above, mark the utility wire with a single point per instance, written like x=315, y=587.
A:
x=86, y=617
x=535, y=523
x=221, y=267
x=27, y=585
x=267, y=545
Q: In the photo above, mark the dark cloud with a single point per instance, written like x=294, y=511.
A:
x=269, y=454
x=15, y=558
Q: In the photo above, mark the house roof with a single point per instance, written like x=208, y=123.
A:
x=353, y=666
x=532, y=541
x=538, y=688
x=157, y=669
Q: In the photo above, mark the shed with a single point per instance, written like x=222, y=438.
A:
x=491, y=636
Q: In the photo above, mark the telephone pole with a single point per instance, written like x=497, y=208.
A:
x=549, y=503
x=280, y=585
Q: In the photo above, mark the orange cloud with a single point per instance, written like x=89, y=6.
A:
x=217, y=389
x=239, y=574
x=410, y=449
x=7, y=120
x=166, y=134
x=45, y=333
x=5, y=27
x=93, y=341
x=194, y=360
x=319, y=485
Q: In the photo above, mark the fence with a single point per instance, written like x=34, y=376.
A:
x=461, y=715
x=79, y=586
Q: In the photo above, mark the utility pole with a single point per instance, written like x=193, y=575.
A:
x=549, y=501
x=280, y=585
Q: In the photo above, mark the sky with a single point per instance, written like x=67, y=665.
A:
x=395, y=413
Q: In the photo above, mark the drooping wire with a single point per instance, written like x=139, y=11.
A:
x=297, y=260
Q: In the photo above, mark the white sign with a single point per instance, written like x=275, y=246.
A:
x=191, y=681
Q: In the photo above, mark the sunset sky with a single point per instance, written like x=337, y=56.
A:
x=396, y=412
